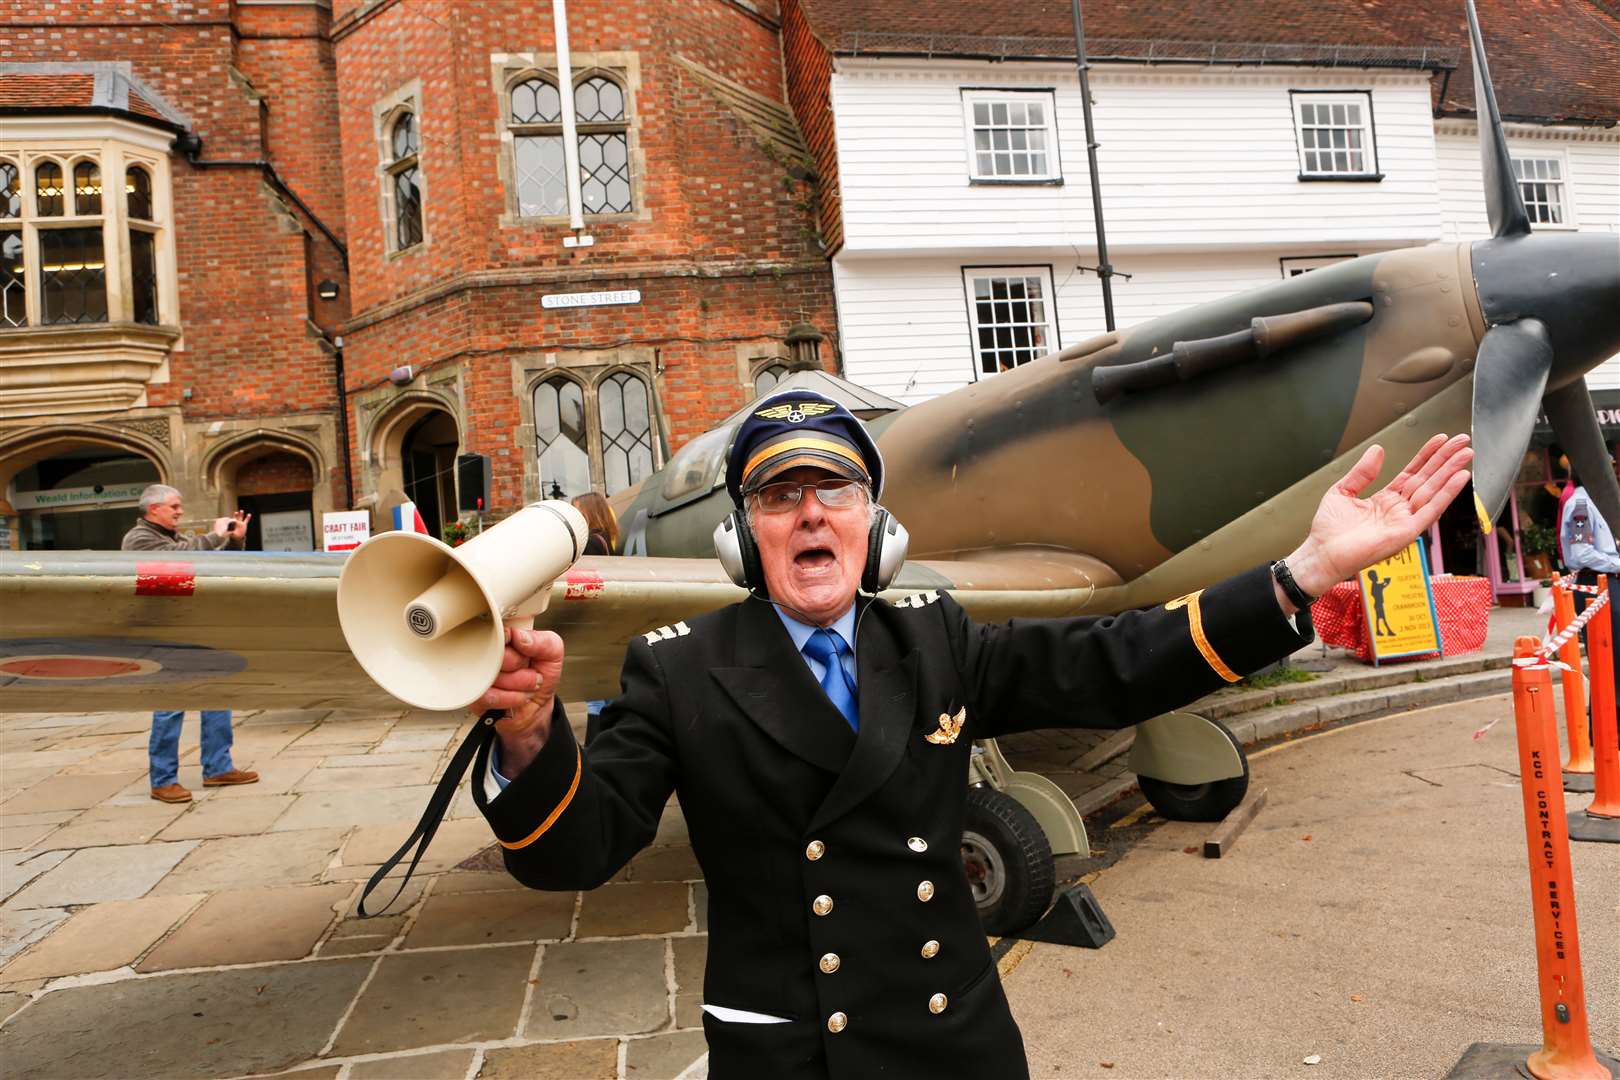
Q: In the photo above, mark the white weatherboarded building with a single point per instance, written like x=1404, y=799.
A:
x=964, y=201
x=1238, y=144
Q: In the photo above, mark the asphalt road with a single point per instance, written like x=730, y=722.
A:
x=1375, y=914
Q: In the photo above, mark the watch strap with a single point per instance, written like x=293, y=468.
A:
x=1285, y=579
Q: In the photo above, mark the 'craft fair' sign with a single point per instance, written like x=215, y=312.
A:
x=345, y=530
x=590, y=299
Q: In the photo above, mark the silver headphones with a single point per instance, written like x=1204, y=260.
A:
x=738, y=551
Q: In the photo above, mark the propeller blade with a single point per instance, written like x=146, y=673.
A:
x=1510, y=374
x=1503, y=202
x=1576, y=425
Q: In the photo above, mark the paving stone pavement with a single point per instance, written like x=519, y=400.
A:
x=219, y=938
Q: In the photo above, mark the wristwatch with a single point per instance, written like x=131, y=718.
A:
x=1285, y=579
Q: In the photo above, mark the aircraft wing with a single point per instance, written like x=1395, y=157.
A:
x=87, y=631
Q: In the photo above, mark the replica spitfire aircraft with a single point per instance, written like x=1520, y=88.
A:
x=1121, y=472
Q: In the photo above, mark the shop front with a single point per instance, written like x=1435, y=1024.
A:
x=80, y=499
x=1521, y=549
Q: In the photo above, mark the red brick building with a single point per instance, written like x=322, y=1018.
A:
x=375, y=196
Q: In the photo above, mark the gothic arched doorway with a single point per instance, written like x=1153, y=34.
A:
x=79, y=498
x=428, y=457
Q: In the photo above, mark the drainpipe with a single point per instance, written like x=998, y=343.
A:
x=565, y=87
x=343, y=421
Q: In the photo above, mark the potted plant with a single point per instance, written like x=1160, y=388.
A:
x=455, y=533
x=1539, y=543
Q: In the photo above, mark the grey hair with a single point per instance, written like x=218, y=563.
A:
x=156, y=494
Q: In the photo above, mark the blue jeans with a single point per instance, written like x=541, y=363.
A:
x=164, y=749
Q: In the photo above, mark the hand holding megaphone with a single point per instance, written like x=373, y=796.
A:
x=430, y=623
x=525, y=690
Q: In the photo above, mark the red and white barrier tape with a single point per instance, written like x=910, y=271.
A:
x=1568, y=585
x=1544, y=659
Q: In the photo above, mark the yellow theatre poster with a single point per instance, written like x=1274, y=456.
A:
x=1399, y=604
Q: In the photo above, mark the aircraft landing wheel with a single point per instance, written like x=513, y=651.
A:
x=1008, y=861
x=1210, y=801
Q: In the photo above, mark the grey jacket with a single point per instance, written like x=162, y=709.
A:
x=148, y=536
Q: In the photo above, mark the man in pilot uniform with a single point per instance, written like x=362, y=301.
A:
x=819, y=742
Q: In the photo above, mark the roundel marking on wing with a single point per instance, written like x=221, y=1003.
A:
x=98, y=659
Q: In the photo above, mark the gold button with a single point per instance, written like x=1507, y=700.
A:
x=815, y=850
x=830, y=963
x=937, y=1003
x=821, y=905
x=925, y=891
x=930, y=949
x=917, y=844
x=837, y=1022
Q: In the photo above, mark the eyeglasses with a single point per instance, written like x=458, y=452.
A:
x=833, y=494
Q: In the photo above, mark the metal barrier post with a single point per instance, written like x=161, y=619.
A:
x=1566, y=1050
x=1600, y=821
x=1578, y=770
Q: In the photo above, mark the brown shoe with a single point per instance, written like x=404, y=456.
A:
x=171, y=793
x=235, y=776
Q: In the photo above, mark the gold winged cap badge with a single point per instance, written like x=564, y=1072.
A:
x=949, y=728
x=795, y=412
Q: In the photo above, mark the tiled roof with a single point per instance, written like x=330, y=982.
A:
x=69, y=87
x=1551, y=60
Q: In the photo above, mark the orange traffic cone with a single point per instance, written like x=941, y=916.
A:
x=1566, y=1050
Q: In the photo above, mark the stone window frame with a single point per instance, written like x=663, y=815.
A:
x=115, y=146
x=384, y=113
x=624, y=68
x=589, y=370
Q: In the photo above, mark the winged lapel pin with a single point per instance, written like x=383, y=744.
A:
x=949, y=728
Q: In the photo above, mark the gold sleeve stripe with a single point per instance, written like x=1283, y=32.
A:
x=824, y=445
x=551, y=818
x=1195, y=623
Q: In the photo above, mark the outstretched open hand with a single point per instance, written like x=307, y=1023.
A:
x=1350, y=533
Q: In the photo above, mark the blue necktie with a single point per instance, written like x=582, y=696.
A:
x=827, y=648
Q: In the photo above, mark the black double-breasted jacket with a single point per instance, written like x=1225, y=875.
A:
x=837, y=896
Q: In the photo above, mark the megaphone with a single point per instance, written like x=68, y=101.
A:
x=425, y=619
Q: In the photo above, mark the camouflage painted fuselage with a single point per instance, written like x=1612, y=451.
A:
x=1031, y=459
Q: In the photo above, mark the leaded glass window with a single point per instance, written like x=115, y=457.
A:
x=602, y=128
x=60, y=264
x=626, y=422
x=768, y=377
x=10, y=190
x=48, y=190
x=405, y=180
x=561, y=439
x=87, y=188
x=143, y=276
x=73, y=276
x=138, y=193
x=13, y=279
x=604, y=146
x=537, y=149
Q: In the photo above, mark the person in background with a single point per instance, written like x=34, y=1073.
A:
x=156, y=530
x=603, y=539
x=599, y=519
x=1586, y=540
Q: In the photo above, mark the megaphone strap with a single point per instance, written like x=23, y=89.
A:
x=476, y=744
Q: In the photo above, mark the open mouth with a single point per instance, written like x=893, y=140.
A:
x=815, y=558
